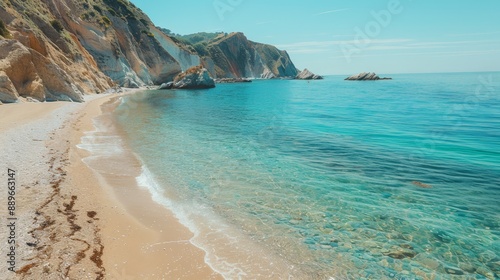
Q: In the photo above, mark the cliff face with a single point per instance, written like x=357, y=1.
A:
x=185, y=58
x=62, y=49
x=88, y=45
x=234, y=56
x=41, y=61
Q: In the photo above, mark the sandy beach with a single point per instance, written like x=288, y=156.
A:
x=69, y=223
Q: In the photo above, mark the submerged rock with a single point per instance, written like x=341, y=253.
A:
x=453, y=271
x=194, y=78
x=421, y=185
x=308, y=75
x=399, y=253
x=365, y=76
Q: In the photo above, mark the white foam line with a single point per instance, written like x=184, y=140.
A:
x=100, y=145
x=147, y=180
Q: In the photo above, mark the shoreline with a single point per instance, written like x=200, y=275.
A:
x=83, y=228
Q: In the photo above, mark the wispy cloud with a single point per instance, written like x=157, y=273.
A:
x=330, y=12
x=343, y=36
x=474, y=34
x=448, y=43
x=311, y=47
x=324, y=44
x=428, y=54
x=387, y=45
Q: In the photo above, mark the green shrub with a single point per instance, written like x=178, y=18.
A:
x=57, y=25
x=120, y=7
x=112, y=12
x=145, y=22
x=199, y=37
x=165, y=30
x=97, y=8
x=106, y=21
x=148, y=33
x=3, y=30
x=201, y=49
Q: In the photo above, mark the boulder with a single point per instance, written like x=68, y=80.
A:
x=366, y=76
x=194, y=78
x=33, y=75
x=168, y=85
x=308, y=75
x=8, y=92
x=30, y=99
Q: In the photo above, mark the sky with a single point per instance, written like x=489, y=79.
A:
x=347, y=37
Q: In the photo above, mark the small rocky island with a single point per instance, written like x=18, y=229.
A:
x=366, y=76
x=308, y=75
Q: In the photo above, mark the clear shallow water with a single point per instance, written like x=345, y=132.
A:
x=381, y=180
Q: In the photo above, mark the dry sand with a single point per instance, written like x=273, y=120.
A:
x=71, y=225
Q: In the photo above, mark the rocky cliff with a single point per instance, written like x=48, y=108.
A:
x=40, y=59
x=234, y=56
x=63, y=49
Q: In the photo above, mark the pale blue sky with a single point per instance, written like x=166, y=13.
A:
x=345, y=37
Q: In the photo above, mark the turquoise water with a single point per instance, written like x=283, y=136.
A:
x=391, y=179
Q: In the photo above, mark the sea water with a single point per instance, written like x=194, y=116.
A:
x=329, y=179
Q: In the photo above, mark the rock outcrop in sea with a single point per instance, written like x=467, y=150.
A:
x=308, y=75
x=194, y=78
x=365, y=76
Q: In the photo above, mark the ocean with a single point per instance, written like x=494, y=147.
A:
x=329, y=179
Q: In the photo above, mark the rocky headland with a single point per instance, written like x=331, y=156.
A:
x=234, y=56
